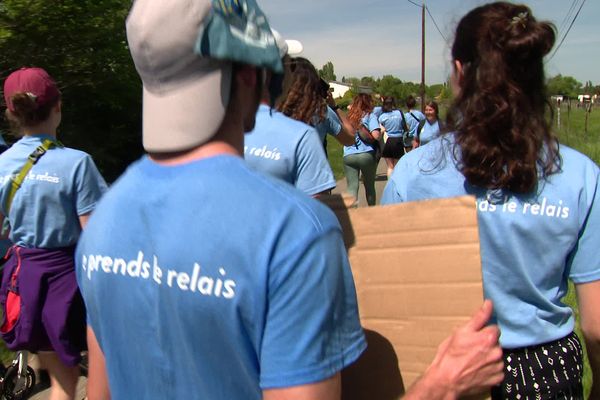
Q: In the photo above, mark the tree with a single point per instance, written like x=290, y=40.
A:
x=82, y=44
x=367, y=81
x=564, y=85
x=327, y=72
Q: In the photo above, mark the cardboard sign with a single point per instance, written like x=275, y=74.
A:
x=417, y=271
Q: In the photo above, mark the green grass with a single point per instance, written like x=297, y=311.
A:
x=335, y=153
x=571, y=131
x=571, y=300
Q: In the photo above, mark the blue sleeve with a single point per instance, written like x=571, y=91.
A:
x=373, y=122
x=312, y=329
x=334, y=125
x=90, y=186
x=313, y=174
x=584, y=261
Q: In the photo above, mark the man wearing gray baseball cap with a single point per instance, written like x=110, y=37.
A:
x=204, y=279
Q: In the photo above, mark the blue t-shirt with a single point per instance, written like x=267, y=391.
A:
x=331, y=125
x=392, y=122
x=63, y=185
x=370, y=122
x=289, y=150
x=209, y=280
x=377, y=111
x=530, y=244
x=429, y=132
x=413, y=117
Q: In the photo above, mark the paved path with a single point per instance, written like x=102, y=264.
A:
x=81, y=393
x=380, y=181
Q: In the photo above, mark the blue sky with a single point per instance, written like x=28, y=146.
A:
x=378, y=37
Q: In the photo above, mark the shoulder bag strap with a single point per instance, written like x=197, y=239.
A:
x=33, y=158
x=404, y=124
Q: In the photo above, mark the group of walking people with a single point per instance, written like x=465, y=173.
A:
x=384, y=131
x=205, y=278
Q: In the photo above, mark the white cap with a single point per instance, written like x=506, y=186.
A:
x=185, y=95
x=290, y=47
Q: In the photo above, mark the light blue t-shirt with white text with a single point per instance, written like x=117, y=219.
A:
x=530, y=244
x=289, y=150
x=208, y=280
x=63, y=185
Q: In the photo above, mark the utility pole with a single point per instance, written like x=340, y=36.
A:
x=423, y=57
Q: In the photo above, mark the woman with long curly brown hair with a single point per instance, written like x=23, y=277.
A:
x=538, y=211
x=307, y=99
x=360, y=157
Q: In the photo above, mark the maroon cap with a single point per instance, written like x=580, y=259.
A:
x=34, y=81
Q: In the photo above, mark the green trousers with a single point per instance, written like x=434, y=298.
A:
x=354, y=165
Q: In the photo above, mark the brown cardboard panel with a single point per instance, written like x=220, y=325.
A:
x=417, y=271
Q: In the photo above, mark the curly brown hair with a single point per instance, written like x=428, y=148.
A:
x=361, y=105
x=499, y=115
x=303, y=100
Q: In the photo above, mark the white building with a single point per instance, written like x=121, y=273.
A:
x=339, y=89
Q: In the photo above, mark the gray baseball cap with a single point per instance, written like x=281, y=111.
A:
x=183, y=51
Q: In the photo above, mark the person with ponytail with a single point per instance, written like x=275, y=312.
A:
x=47, y=201
x=538, y=202
x=360, y=157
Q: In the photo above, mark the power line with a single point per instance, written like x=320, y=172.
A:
x=436, y=25
x=567, y=17
x=418, y=5
x=567, y=32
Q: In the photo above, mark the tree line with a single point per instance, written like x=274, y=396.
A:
x=389, y=85
x=82, y=44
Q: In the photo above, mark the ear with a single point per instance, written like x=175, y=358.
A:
x=58, y=106
x=456, y=79
x=458, y=67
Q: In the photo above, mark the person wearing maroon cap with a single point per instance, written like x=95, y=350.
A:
x=46, y=207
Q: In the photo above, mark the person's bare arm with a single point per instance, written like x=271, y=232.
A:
x=97, y=383
x=329, y=389
x=468, y=362
x=346, y=135
x=83, y=219
x=588, y=297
